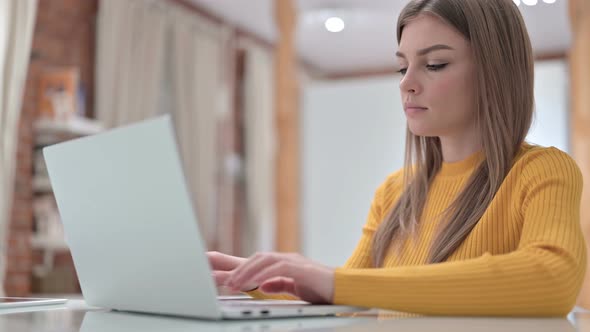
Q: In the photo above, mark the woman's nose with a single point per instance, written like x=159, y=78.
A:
x=410, y=83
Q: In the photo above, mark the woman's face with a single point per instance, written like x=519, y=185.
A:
x=438, y=83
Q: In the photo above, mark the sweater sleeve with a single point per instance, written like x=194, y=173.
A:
x=542, y=277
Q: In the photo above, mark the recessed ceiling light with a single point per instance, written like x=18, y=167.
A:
x=530, y=2
x=549, y=1
x=334, y=24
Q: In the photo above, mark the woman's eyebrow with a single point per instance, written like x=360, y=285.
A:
x=427, y=50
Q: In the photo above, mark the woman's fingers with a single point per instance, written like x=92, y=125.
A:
x=223, y=265
x=244, y=273
x=223, y=262
x=220, y=277
x=278, y=285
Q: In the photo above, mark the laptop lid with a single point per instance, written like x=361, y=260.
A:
x=129, y=222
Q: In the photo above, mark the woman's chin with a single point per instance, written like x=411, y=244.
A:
x=422, y=131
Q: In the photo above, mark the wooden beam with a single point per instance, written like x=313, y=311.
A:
x=551, y=56
x=580, y=113
x=287, y=122
x=360, y=74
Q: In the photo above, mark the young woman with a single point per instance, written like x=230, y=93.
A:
x=477, y=222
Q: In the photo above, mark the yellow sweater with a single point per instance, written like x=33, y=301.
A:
x=525, y=257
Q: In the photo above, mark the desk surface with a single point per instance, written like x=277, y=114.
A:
x=76, y=316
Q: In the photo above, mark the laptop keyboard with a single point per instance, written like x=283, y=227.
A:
x=260, y=303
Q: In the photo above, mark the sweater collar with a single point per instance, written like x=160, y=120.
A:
x=463, y=166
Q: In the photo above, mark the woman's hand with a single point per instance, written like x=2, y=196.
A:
x=285, y=273
x=222, y=266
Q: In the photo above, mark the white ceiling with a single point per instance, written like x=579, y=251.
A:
x=368, y=42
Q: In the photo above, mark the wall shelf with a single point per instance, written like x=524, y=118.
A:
x=45, y=238
x=49, y=132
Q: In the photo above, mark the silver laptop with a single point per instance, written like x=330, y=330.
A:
x=132, y=230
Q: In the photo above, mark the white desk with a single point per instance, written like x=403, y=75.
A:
x=76, y=316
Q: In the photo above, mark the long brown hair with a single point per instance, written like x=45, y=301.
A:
x=504, y=86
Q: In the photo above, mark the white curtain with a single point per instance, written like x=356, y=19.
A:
x=259, y=117
x=154, y=58
x=17, y=20
x=130, y=60
x=200, y=96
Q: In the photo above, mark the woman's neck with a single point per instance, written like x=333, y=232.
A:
x=459, y=147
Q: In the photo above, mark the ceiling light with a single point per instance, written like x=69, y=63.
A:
x=549, y=1
x=517, y=2
x=530, y=2
x=334, y=24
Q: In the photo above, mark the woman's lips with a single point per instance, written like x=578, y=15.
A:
x=415, y=110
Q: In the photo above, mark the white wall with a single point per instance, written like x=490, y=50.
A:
x=551, y=124
x=353, y=136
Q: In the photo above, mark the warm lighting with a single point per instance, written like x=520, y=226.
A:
x=334, y=24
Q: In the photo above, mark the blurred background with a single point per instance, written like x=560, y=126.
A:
x=287, y=112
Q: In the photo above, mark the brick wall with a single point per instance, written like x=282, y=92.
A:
x=64, y=36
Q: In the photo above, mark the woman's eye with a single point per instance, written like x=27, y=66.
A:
x=436, y=67
x=429, y=67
